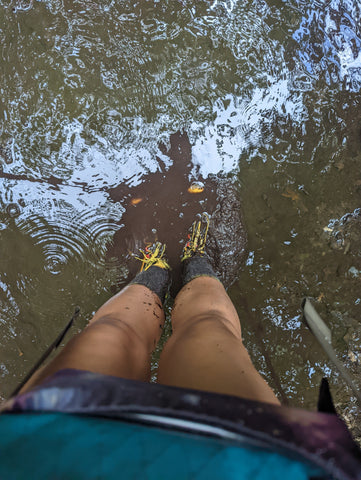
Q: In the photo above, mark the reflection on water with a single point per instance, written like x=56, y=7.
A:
x=266, y=94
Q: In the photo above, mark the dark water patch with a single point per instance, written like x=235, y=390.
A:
x=163, y=208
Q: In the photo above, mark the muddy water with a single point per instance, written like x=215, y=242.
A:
x=110, y=110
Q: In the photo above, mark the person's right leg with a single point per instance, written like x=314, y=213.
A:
x=118, y=340
x=205, y=351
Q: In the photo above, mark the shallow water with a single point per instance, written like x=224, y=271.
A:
x=266, y=95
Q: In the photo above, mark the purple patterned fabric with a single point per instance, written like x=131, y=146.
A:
x=319, y=438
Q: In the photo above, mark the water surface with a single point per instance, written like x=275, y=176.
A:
x=266, y=96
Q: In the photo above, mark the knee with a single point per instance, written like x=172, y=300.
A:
x=115, y=330
x=211, y=324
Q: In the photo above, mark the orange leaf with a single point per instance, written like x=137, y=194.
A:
x=291, y=194
x=196, y=188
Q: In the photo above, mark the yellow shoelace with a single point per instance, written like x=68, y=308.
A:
x=197, y=239
x=153, y=255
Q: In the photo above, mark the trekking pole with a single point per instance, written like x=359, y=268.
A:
x=54, y=345
x=323, y=335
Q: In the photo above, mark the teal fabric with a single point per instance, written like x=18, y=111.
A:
x=61, y=446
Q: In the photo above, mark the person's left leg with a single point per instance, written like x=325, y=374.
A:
x=205, y=351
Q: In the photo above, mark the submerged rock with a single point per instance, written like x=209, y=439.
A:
x=344, y=233
x=227, y=233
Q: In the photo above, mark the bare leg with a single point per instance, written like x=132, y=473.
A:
x=118, y=340
x=206, y=351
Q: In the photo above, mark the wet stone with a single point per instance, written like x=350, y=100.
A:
x=227, y=233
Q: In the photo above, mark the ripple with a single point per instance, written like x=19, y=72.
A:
x=13, y=210
x=22, y=6
x=171, y=64
x=70, y=238
x=329, y=40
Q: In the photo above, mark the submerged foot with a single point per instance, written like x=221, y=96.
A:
x=195, y=261
x=196, y=242
x=154, y=270
x=153, y=256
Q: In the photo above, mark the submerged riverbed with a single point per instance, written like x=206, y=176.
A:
x=109, y=110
